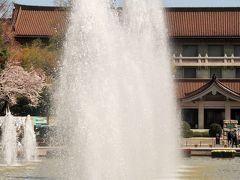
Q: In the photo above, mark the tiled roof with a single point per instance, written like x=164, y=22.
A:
x=187, y=86
x=182, y=22
x=203, y=22
x=38, y=21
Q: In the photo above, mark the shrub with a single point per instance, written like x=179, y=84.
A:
x=200, y=134
x=186, y=131
x=215, y=129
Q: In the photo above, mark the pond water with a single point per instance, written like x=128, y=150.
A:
x=193, y=168
x=23, y=171
x=210, y=168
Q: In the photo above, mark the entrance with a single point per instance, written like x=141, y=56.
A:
x=191, y=117
x=235, y=114
x=213, y=116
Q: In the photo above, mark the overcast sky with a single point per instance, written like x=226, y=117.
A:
x=171, y=3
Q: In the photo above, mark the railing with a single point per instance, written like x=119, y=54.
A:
x=202, y=142
x=206, y=60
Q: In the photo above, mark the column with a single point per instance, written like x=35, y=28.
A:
x=227, y=110
x=200, y=115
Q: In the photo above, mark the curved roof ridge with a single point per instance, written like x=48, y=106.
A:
x=205, y=86
x=215, y=81
x=221, y=85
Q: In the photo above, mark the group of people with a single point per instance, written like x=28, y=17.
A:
x=232, y=138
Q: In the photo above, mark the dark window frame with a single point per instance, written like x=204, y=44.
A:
x=237, y=72
x=236, y=52
x=213, y=52
x=188, y=74
x=189, y=51
x=190, y=115
x=178, y=73
x=215, y=73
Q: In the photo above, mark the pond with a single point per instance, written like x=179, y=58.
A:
x=193, y=168
x=40, y=169
x=210, y=168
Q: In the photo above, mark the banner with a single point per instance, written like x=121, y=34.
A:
x=40, y=121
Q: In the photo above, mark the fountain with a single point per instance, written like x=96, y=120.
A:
x=9, y=139
x=13, y=146
x=116, y=103
x=29, y=141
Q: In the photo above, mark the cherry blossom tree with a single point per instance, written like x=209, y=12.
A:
x=16, y=82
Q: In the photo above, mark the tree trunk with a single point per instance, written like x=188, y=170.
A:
x=5, y=108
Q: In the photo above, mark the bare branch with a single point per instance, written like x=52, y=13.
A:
x=5, y=8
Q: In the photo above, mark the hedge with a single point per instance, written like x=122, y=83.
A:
x=223, y=153
x=200, y=134
x=186, y=131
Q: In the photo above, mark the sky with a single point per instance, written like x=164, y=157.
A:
x=168, y=3
x=36, y=2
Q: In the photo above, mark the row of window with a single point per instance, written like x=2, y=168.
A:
x=213, y=50
x=191, y=72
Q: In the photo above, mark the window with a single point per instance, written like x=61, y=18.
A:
x=237, y=50
x=235, y=114
x=189, y=72
x=178, y=73
x=215, y=51
x=190, y=51
x=216, y=71
x=191, y=117
x=237, y=72
x=213, y=116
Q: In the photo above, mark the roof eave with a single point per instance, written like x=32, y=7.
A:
x=24, y=6
x=215, y=85
x=32, y=36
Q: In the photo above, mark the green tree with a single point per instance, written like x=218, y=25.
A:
x=40, y=56
x=215, y=129
x=3, y=50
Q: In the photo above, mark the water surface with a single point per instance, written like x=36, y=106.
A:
x=193, y=168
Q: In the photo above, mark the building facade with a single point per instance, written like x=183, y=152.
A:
x=205, y=54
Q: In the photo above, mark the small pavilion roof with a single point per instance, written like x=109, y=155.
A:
x=212, y=86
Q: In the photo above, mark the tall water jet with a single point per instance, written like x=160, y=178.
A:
x=9, y=139
x=29, y=141
x=116, y=103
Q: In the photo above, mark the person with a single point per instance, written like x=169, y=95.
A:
x=234, y=138
x=229, y=137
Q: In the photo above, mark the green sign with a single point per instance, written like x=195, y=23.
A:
x=40, y=121
x=230, y=126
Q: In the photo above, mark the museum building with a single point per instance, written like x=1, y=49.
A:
x=205, y=55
